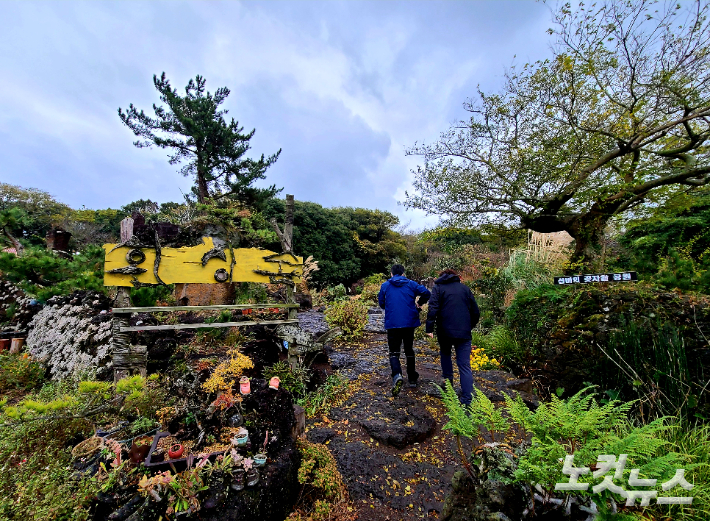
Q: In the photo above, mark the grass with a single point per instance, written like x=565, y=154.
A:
x=332, y=393
x=693, y=442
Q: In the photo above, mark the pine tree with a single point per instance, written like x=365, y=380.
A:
x=196, y=131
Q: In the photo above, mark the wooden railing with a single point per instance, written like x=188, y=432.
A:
x=167, y=327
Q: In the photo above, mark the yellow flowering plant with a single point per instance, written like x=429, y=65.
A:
x=227, y=373
x=480, y=360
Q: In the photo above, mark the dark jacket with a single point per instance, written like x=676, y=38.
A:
x=397, y=296
x=452, y=308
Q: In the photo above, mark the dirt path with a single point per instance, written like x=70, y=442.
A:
x=395, y=459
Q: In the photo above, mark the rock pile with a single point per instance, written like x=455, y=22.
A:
x=73, y=333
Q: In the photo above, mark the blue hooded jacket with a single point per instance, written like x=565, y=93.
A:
x=397, y=296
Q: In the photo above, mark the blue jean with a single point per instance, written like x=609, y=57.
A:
x=462, y=348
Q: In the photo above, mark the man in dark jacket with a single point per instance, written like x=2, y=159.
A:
x=454, y=311
x=398, y=298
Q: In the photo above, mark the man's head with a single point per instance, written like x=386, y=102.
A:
x=397, y=269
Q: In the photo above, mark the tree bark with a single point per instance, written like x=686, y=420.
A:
x=587, y=230
x=202, y=191
x=18, y=246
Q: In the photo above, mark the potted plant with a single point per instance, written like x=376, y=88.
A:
x=176, y=451
x=260, y=459
x=139, y=449
x=252, y=476
x=244, y=385
x=239, y=476
x=242, y=439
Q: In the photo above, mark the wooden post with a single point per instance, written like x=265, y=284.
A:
x=288, y=224
x=287, y=245
x=127, y=360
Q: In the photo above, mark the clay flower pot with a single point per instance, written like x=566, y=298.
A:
x=274, y=383
x=260, y=459
x=4, y=344
x=244, y=385
x=176, y=451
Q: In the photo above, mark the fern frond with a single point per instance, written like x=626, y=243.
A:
x=459, y=423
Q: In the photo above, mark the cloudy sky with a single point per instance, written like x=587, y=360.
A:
x=344, y=88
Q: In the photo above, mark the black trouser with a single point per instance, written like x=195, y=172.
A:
x=395, y=337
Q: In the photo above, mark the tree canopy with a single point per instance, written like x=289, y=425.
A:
x=617, y=118
x=348, y=243
x=27, y=214
x=209, y=148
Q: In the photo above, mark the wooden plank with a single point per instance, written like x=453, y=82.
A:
x=184, y=265
x=203, y=308
x=168, y=327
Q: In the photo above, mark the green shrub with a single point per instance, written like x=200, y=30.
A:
x=492, y=288
x=42, y=273
x=147, y=296
x=377, y=278
x=251, y=293
x=534, y=312
x=501, y=344
x=349, y=315
x=369, y=293
x=293, y=380
x=333, y=392
x=37, y=481
x=19, y=372
x=678, y=270
x=337, y=293
x=319, y=471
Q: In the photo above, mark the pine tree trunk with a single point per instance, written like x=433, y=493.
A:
x=202, y=192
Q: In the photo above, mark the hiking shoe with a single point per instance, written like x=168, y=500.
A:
x=413, y=384
x=397, y=383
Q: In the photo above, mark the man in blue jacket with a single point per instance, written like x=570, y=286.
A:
x=398, y=298
x=454, y=311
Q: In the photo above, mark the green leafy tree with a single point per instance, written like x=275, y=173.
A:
x=93, y=226
x=683, y=225
x=323, y=233
x=377, y=243
x=27, y=214
x=617, y=118
x=348, y=243
x=210, y=148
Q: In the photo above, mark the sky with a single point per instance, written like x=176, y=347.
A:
x=343, y=88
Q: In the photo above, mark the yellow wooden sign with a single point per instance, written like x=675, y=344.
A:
x=126, y=265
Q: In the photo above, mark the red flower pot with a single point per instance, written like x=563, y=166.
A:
x=176, y=451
